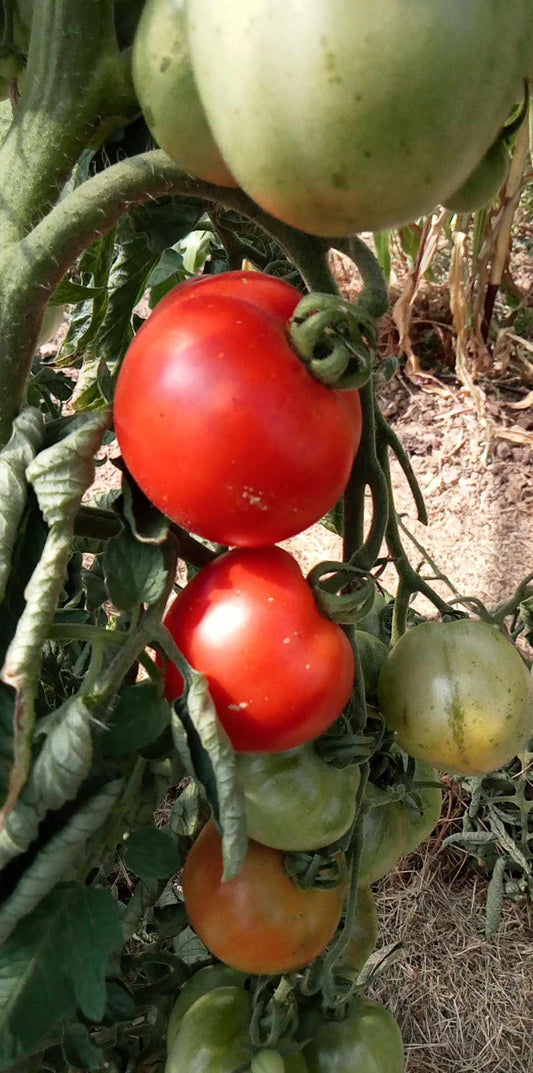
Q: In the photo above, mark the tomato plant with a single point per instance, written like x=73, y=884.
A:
x=214, y=1038
x=294, y=800
x=259, y=922
x=165, y=86
x=219, y=421
x=227, y=432
x=357, y=120
x=458, y=696
x=279, y=672
x=367, y=1040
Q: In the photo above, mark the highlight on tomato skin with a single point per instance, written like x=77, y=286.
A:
x=219, y=421
x=260, y=922
x=279, y=671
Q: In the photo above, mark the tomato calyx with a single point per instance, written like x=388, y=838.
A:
x=327, y=578
x=275, y=1015
x=320, y=871
x=333, y=338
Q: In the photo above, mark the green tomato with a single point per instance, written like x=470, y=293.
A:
x=367, y=1041
x=294, y=800
x=364, y=934
x=458, y=696
x=358, y=115
x=392, y=829
x=268, y=1061
x=164, y=84
x=201, y=983
x=385, y=826
x=372, y=655
x=422, y=821
x=483, y=184
x=214, y=1038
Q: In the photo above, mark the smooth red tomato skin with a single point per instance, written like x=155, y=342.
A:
x=259, y=922
x=279, y=672
x=220, y=423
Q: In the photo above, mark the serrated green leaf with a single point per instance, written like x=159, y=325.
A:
x=95, y=268
x=15, y=457
x=7, y=711
x=213, y=759
x=140, y=717
x=382, y=242
x=55, y=861
x=135, y=572
x=151, y=854
x=333, y=521
x=60, y=768
x=167, y=274
x=146, y=521
x=145, y=895
x=28, y=549
x=79, y=1051
x=190, y=948
x=60, y=476
x=55, y=960
x=71, y=293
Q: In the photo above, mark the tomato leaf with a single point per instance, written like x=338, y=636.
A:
x=79, y=1051
x=151, y=854
x=135, y=572
x=120, y=1004
x=145, y=520
x=15, y=457
x=7, y=708
x=57, y=858
x=213, y=762
x=62, y=765
x=55, y=960
x=140, y=717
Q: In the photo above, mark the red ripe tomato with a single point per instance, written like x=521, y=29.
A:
x=219, y=421
x=259, y=922
x=278, y=670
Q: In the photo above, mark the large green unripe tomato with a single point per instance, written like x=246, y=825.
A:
x=214, y=1038
x=385, y=826
x=356, y=115
x=164, y=84
x=392, y=829
x=201, y=983
x=294, y=800
x=421, y=823
x=364, y=934
x=458, y=696
x=367, y=1041
x=483, y=184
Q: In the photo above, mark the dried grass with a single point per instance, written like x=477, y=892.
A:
x=463, y=1004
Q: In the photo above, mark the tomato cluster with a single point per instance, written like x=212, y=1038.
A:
x=245, y=446
x=227, y=432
